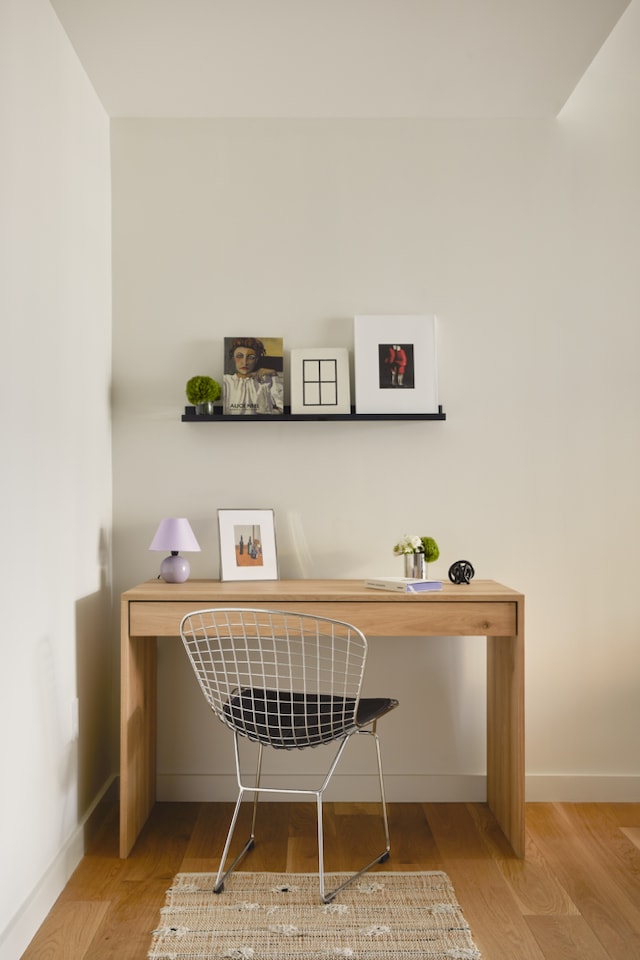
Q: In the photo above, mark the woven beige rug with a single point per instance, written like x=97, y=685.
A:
x=272, y=916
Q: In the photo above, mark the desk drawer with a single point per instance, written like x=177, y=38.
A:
x=429, y=619
x=410, y=618
x=159, y=619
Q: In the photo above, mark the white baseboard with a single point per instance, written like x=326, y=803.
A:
x=345, y=788
x=555, y=789
x=453, y=788
x=25, y=923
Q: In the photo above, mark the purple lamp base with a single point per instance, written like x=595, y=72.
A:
x=175, y=569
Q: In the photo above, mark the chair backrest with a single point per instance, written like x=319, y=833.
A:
x=283, y=679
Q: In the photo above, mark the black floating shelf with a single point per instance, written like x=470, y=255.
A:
x=190, y=416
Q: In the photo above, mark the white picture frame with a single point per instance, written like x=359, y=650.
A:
x=377, y=388
x=247, y=545
x=319, y=378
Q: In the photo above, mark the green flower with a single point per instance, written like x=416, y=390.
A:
x=430, y=549
x=202, y=390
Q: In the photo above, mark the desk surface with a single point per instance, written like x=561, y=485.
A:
x=228, y=591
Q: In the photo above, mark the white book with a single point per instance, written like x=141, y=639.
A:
x=403, y=584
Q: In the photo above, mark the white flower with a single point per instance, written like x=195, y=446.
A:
x=408, y=545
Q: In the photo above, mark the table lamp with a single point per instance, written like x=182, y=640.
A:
x=175, y=534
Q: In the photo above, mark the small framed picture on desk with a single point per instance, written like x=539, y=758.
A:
x=247, y=545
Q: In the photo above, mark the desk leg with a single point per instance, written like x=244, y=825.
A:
x=138, y=685
x=505, y=736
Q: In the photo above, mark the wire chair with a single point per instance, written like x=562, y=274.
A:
x=287, y=681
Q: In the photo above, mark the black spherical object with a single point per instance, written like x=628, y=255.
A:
x=461, y=572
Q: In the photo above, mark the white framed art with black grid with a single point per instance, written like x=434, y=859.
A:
x=319, y=378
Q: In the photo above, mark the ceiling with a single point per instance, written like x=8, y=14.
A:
x=336, y=58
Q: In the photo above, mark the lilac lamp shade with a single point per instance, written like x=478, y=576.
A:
x=175, y=534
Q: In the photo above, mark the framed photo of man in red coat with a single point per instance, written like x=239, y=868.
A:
x=395, y=364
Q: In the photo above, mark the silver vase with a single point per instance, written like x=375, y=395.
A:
x=206, y=409
x=414, y=566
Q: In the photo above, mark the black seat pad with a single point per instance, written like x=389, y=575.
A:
x=286, y=720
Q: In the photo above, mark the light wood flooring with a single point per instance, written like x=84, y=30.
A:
x=576, y=896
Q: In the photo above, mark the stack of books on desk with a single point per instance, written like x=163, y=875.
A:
x=403, y=584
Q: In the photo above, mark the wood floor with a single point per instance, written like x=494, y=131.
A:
x=575, y=897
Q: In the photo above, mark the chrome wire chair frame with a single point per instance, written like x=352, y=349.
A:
x=288, y=681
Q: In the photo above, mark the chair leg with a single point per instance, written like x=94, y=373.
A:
x=383, y=799
x=325, y=896
x=222, y=876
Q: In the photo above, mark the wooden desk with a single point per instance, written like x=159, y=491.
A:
x=481, y=608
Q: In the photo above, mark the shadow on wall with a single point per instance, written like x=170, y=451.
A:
x=94, y=672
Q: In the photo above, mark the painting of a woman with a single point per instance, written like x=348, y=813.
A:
x=253, y=380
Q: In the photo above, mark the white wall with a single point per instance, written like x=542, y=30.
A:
x=522, y=237
x=55, y=298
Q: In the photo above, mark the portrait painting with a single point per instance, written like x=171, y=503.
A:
x=253, y=380
x=395, y=366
